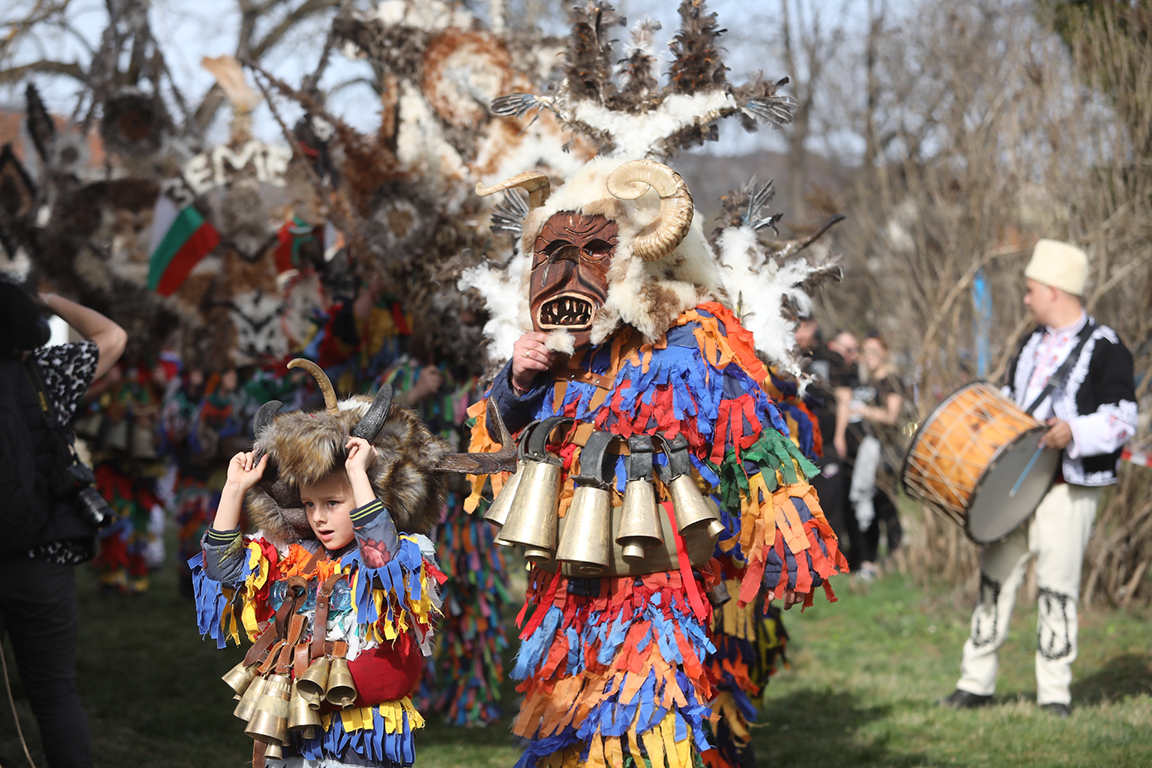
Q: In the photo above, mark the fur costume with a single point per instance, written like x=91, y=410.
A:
x=719, y=394
x=307, y=447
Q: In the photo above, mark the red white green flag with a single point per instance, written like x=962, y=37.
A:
x=180, y=238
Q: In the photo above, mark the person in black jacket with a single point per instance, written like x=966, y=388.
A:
x=1091, y=414
x=833, y=380
x=37, y=585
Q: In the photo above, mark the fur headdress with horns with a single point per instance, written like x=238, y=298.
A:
x=662, y=265
x=407, y=474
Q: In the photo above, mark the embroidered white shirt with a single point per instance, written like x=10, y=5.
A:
x=1093, y=434
x=1050, y=354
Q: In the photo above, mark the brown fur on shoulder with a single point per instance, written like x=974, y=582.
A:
x=304, y=448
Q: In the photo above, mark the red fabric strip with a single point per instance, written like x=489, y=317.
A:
x=690, y=586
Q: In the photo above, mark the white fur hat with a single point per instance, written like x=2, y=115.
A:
x=1059, y=265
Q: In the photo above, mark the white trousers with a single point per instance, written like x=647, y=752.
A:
x=1056, y=536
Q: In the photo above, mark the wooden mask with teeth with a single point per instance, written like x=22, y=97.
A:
x=569, y=282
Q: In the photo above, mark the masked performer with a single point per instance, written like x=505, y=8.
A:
x=337, y=589
x=635, y=390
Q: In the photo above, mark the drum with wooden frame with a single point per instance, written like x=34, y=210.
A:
x=976, y=460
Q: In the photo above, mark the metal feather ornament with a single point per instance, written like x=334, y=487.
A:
x=509, y=215
x=516, y=104
x=682, y=113
x=758, y=198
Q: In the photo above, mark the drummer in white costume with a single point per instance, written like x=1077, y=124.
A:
x=1090, y=408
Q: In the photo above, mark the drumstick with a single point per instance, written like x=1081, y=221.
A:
x=1027, y=469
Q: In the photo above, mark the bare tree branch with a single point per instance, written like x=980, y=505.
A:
x=18, y=73
x=250, y=15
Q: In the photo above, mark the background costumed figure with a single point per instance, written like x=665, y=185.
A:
x=466, y=671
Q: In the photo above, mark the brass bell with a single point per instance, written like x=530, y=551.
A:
x=639, y=521
x=341, y=688
x=532, y=520
x=269, y=723
x=240, y=677
x=313, y=684
x=498, y=510
x=691, y=508
x=274, y=750
x=252, y=694
x=587, y=539
x=301, y=716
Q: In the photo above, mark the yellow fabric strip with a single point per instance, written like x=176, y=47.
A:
x=654, y=746
x=668, y=733
x=259, y=567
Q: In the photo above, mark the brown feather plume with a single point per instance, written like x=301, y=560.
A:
x=590, y=57
x=697, y=66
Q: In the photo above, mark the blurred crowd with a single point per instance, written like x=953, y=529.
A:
x=864, y=411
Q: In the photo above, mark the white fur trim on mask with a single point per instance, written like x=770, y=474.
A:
x=560, y=340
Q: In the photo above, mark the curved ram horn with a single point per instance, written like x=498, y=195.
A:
x=503, y=460
x=536, y=183
x=371, y=422
x=660, y=238
x=322, y=381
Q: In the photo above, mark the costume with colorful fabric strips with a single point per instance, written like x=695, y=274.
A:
x=383, y=615
x=337, y=635
x=750, y=638
x=616, y=669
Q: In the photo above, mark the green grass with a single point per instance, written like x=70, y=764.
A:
x=866, y=671
x=864, y=674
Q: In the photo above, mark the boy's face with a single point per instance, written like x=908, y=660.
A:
x=328, y=504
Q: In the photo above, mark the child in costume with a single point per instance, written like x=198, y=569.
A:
x=337, y=589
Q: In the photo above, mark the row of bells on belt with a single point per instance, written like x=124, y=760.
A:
x=526, y=507
x=275, y=705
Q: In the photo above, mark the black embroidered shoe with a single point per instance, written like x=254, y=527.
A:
x=1057, y=709
x=959, y=699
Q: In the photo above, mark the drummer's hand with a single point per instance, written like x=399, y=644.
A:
x=1058, y=436
x=530, y=358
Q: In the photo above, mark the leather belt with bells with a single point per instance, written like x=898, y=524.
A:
x=275, y=631
x=274, y=647
x=320, y=645
x=699, y=540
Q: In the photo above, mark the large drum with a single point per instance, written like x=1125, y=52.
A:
x=976, y=460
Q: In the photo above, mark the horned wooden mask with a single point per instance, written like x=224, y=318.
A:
x=570, y=273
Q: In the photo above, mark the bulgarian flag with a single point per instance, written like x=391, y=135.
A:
x=180, y=238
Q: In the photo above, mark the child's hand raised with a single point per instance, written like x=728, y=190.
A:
x=360, y=455
x=244, y=471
